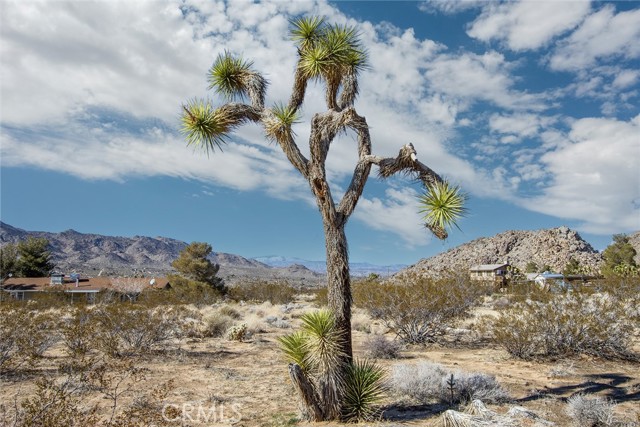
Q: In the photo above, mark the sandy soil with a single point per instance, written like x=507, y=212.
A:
x=247, y=384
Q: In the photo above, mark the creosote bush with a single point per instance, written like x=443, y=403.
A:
x=262, y=290
x=25, y=335
x=380, y=347
x=430, y=382
x=568, y=324
x=419, y=310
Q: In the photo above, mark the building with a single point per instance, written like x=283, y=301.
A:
x=25, y=288
x=495, y=273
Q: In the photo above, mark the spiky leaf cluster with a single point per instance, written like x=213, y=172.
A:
x=364, y=390
x=442, y=206
x=278, y=124
x=317, y=347
x=230, y=75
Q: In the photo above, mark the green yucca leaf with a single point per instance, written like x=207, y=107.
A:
x=306, y=31
x=295, y=349
x=230, y=75
x=315, y=62
x=364, y=389
x=324, y=341
x=279, y=124
x=203, y=126
x=442, y=206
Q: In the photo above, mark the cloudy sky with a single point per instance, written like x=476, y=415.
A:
x=531, y=106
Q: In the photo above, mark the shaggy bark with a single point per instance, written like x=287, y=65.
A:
x=308, y=400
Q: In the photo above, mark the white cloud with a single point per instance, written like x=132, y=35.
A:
x=603, y=35
x=469, y=77
x=525, y=25
x=595, y=176
x=449, y=7
x=520, y=125
x=397, y=213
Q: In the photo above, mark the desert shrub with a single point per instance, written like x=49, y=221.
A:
x=379, y=347
x=572, y=323
x=25, y=335
x=421, y=309
x=279, y=292
x=55, y=404
x=186, y=291
x=237, y=332
x=590, y=411
x=216, y=325
x=78, y=332
x=227, y=310
x=428, y=382
x=129, y=329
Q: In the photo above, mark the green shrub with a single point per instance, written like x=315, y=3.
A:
x=420, y=310
x=280, y=292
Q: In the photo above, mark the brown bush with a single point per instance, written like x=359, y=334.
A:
x=127, y=329
x=25, y=335
x=570, y=323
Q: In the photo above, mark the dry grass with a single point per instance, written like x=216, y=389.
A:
x=250, y=376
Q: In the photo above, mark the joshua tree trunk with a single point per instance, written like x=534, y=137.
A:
x=339, y=283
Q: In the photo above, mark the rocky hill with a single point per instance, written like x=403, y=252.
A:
x=634, y=239
x=94, y=254
x=553, y=247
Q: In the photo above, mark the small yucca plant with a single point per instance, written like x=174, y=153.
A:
x=443, y=206
x=364, y=389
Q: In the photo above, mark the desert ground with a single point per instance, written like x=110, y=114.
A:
x=212, y=381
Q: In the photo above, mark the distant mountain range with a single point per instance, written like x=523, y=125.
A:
x=94, y=254
x=358, y=269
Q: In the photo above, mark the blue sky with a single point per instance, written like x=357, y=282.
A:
x=532, y=107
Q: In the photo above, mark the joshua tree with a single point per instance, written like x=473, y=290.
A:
x=332, y=55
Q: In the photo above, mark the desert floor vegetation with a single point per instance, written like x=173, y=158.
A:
x=123, y=363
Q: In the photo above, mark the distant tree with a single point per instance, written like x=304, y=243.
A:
x=34, y=258
x=8, y=261
x=130, y=287
x=619, y=257
x=573, y=267
x=192, y=264
x=531, y=267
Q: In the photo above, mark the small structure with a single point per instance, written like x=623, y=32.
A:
x=57, y=279
x=547, y=279
x=489, y=272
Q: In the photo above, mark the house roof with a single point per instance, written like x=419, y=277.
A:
x=488, y=267
x=84, y=284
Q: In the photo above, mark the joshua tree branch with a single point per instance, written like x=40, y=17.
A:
x=362, y=169
x=407, y=163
